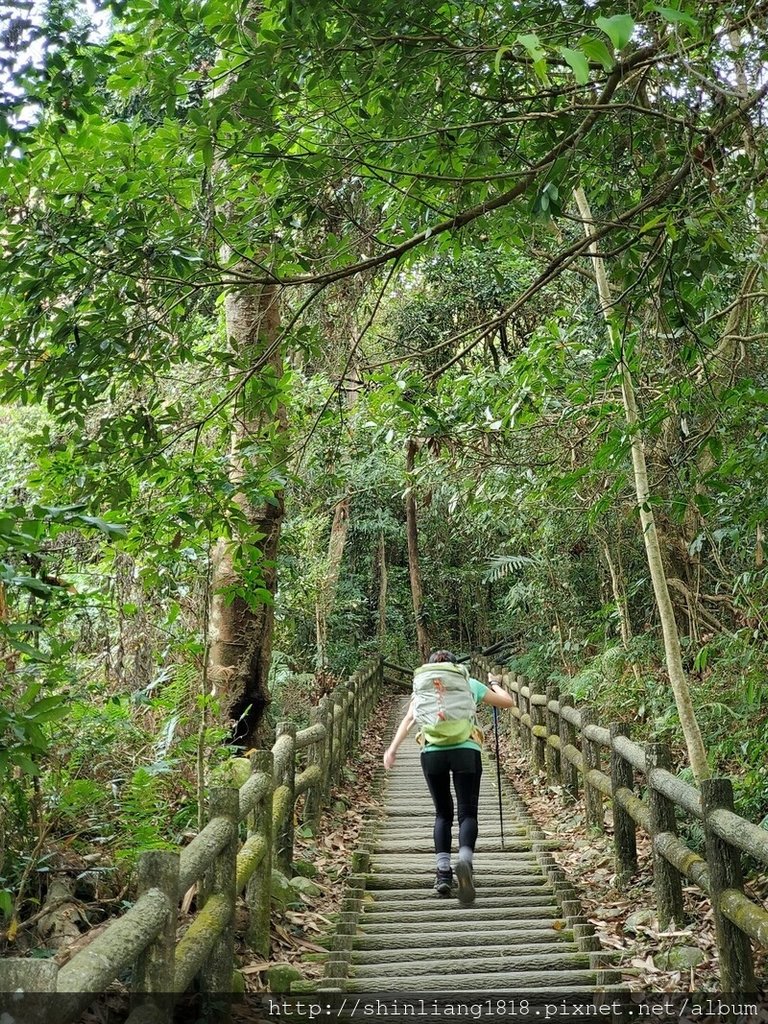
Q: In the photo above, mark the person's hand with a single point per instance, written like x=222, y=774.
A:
x=389, y=758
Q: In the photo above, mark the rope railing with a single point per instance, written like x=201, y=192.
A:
x=143, y=940
x=570, y=746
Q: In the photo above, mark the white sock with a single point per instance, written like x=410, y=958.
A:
x=466, y=853
x=443, y=861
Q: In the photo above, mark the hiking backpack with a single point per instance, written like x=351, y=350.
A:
x=443, y=705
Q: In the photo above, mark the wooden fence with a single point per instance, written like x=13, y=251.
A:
x=143, y=940
x=571, y=748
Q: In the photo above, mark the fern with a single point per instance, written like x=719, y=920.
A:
x=500, y=566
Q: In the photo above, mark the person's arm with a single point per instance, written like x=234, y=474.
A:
x=402, y=731
x=496, y=695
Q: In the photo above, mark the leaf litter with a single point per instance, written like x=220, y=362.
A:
x=301, y=928
x=587, y=859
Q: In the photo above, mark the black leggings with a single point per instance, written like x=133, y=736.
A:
x=466, y=766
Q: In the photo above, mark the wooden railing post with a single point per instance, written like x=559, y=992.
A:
x=282, y=839
x=327, y=705
x=737, y=972
x=553, y=729
x=32, y=985
x=593, y=798
x=313, y=804
x=512, y=686
x=353, y=685
x=525, y=709
x=221, y=882
x=338, y=730
x=538, y=717
x=349, y=720
x=624, y=829
x=258, y=890
x=153, y=972
x=568, y=737
x=667, y=880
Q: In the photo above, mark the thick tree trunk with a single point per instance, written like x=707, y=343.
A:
x=417, y=591
x=327, y=595
x=240, y=635
x=673, y=654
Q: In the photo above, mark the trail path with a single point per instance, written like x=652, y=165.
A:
x=513, y=938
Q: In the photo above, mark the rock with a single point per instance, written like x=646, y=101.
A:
x=679, y=958
x=281, y=890
x=304, y=867
x=305, y=886
x=640, y=919
x=279, y=978
x=238, y=983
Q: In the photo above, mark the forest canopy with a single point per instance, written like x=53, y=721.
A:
x=341, y=329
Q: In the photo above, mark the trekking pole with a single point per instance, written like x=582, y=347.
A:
x=498, y=771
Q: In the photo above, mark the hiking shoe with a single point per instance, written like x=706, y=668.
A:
x=443, y=881
x=464, y=877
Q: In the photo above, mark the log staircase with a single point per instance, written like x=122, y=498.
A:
x=524, y=932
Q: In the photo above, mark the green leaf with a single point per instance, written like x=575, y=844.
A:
x=672, y=14
x=536, y=52
x=6, y=902
x=596, y=50
x=619, y=29
x=500, y=57
x=578, y=63
x=49, y=709
x=110, y=529
x=28, y=649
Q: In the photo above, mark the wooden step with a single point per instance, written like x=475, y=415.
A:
x=475, y=935
x=464, y=918
x=522, y=981
x=514, y=947
x=483, y=962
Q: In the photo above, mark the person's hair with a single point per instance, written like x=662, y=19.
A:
x=437, y=656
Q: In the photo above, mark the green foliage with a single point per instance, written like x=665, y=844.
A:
x=154, y=165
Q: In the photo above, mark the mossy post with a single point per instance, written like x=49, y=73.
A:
x=667, y=880
x=327, y=707
x=568, y=738
x=339, y=698
x=737, y=972
x=510, y=685
x=313, y=804
x=539, y=743
x=550, y=718
x=35, y=979
x=356, y=686
x=285, y=798
x=154, y=969
x=624, y=829
x=525, y=709
x=593, y=798
x=221, y=881
x=348, y=723
x=258, y=889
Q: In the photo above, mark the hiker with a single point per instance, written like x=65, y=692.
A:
x=451, y=743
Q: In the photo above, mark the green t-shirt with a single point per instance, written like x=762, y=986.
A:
x=479, y=690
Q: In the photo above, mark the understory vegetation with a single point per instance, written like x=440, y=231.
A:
x=332, y=331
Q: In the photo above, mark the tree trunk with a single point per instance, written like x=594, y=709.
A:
x=417, y=591
x=327, y=594
x=241, y=635
x=673, y=654
x=383, y=583
x=620, y=599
